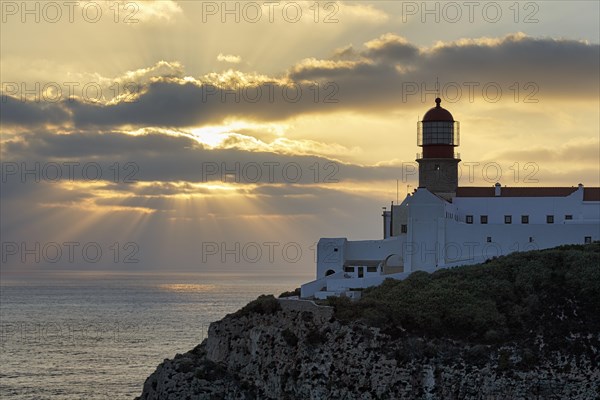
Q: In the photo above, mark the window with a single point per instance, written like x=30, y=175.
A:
x=403, y=228
x=587, y=240
x=549, y=219
x=438, y=132
x=361, y=272
x=483, y=219
x=469, y=219
x=530, y=239
x=489, y=239
x=524, y=219
x=348, y=269
x=508, y=219
x=371, y=269
x=568, y=216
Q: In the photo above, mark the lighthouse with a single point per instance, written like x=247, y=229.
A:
x=442, y=225
x=438, y=134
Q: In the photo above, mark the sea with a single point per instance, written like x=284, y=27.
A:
x=100, y=337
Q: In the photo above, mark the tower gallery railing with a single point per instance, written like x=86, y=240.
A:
x=455, y=154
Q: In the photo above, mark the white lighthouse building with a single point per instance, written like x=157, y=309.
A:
x=443, y=225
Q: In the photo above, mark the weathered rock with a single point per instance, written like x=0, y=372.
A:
x=302, y=352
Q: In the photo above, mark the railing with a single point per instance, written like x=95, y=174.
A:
x=456, y=156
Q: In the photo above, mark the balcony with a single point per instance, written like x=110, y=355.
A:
x=456, y=156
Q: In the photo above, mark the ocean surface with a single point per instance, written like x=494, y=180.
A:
x=100, y=338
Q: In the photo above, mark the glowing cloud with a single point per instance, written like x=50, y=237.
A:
x=228, y=58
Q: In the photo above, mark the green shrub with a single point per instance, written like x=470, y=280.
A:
x=264, y=304
x=529, y=358
x=295, y=292
x=314, y=337
x=290, y=337
x=508, y=298
x=504, y=363
x=210, y=370
x=184, y=365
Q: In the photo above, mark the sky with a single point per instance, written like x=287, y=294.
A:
x=167, y=137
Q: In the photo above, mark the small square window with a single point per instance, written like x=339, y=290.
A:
x=489, y=239
x=335, y=249
x=568, y=216
x=530, y=239
x=524, y=219
x=508, y=219
x=483, y=219
x=403, y=228
x=587, y=240
x=549, y=219
x=469, y=219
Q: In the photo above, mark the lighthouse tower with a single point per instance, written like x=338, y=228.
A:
x=438, y=134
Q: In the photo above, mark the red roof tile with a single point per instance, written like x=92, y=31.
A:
x=471, y=191
x=589, y=194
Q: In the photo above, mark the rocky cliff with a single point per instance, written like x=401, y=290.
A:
x=294, y=354
x=290, y=349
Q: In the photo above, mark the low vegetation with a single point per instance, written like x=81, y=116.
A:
x=554, y=293
x=290, y=337
x=264, y=304
x=295, y=292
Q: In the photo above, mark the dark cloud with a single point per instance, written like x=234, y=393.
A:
x=381, y=75
x=573, y=154
x=15, y=111
x=90, y=145
x=178, y=104
x=391, y=48
x=560, y=68
x=371, y=79
x=165, y=158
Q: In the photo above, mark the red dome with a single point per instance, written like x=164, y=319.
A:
x=437, y=113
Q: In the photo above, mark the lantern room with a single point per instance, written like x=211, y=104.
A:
x=438, y=133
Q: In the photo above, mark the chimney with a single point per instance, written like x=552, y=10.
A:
x=497, y=189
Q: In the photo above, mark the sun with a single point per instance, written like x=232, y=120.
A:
x=211, y=136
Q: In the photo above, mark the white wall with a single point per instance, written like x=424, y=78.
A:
x=435, y=241
x=330, y=255
x=537, y=208
x=371, y=252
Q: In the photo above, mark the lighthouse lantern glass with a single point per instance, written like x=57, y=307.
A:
x=438, y=133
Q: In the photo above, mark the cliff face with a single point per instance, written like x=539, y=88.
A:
x=296, y=350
